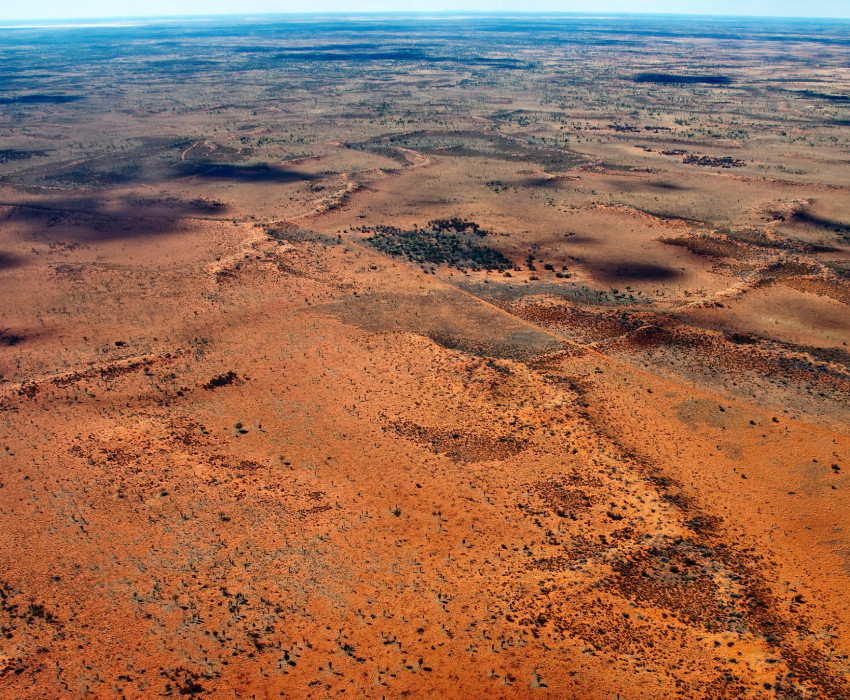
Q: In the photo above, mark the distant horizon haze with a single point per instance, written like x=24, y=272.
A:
x=45, y=10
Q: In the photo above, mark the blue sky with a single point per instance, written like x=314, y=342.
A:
x=65, y=9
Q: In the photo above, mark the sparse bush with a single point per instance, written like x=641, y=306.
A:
x=221, y=380
x=441, y=244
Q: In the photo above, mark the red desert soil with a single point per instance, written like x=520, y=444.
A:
x=248, y=452
x=281, y=483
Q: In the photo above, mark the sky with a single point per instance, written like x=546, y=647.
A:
x=78, y=9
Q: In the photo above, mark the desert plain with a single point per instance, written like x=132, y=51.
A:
x=425, y=356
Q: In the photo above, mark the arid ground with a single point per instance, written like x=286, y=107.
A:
x=366, y=357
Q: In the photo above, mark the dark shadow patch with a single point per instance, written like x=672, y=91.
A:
x=9, y=339
x=821, y=95
x=155, y=161
x=82, y=220
x=261, y=172
x=804, y=216
x=632, y=185
x=673, y=79
x=667, y=186
x=742, y=339
x=630, y=271
x=38, y=99
x=8, y=261
x=8, y=155
x=580, y=239
x=547, y=183
x=176, y=207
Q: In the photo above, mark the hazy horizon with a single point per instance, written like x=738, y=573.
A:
x=50, y=10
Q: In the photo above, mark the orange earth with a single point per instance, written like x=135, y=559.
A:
x=248, y=451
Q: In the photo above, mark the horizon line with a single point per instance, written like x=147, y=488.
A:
x=35, y=22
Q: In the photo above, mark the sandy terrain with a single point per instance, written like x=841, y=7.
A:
x=437, y=372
